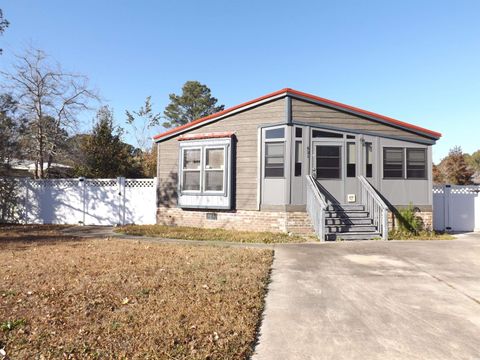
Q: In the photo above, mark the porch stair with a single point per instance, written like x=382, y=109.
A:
x=349, y=222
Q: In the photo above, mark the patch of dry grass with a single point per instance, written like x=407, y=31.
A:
x=192, y=233
x=115, y=299
x=422, y=235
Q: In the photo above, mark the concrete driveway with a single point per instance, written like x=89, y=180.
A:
x=374, y=300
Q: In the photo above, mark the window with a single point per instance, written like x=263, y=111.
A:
x=278, y=133
x=203, y=176
x=368, y=159
x=298, y=132
x=393, y=163
x=325, y=134
x=203, y=173
x=274, y=159
x=191, y=169
x=214, y=168
x=416, y=163
x=328, y=162
x=350, y=136
x=351, y=159
x=298, y=158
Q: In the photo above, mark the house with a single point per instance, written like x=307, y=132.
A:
x=26, y=168
x=291, y=161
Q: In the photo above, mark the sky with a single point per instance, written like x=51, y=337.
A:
x=414, y=60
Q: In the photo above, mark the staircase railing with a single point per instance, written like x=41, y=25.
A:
x=376, y=207
x=316, y=206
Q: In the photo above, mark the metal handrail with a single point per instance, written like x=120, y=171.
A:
x=375, y=206
x=316, y=206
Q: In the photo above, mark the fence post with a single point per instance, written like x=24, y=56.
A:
x=25, y=183
x=446, y=207
x=81, y=183
x=121, y=200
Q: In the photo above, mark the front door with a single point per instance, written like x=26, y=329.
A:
x=328, y=169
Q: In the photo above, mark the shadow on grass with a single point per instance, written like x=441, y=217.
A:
x=22, y=237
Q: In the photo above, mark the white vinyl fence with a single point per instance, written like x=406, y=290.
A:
x=456, y=208
x=86, y=201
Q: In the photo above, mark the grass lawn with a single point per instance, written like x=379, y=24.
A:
x=422, y=235
x=66, y=298
x=191, y=233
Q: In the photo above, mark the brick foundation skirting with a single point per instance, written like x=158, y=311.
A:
x=251, y=220
x=244, y=220
x=426, y=217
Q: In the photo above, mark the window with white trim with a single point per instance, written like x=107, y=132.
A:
x=404, y=163
x=191, y=169
x=214, y=171
x=274, y=156
x=203, y=169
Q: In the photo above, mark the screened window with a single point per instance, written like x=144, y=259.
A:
x=368, y=160
x=298, y=158
x=214, y=169
x=351, y=159
x=416, y=163
x=278, y=133
x=203, y=169
x=328, y=162
x=298, y=132
x=274, y=159
x=393, y=163
x=191, y=169
x=325, y=134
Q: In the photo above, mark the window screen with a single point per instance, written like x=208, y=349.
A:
x=416, y=163
x=214, y=168
x=328, y=162
x=351, y=159
x=278, y=133
x=393, y=163
x=274, y=159
x=325, y=134
x=298, y=132
x=191, y=169
x=368, y=160
x=298, y=158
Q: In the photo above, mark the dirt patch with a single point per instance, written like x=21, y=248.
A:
x=108, y=299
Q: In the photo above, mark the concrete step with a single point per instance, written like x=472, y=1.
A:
x=353, y=236
x=351, y=229
x=346, y=214
x=348, y=221
x=345, y=207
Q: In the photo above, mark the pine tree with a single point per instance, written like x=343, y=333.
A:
x=105, y=155
x=195, y=102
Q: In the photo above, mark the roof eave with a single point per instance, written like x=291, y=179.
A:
x=300, y=96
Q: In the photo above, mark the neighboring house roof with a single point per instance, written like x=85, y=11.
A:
x=29, y=165
x=302, y=96
x=476, y=178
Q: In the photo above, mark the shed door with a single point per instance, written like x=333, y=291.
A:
x=328, y=169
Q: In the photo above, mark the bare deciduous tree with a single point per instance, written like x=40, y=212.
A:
x=50, y=100
x=141, y=122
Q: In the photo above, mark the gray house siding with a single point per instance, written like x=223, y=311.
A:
x=249, y=186
x=245, y=126
x=314, y=114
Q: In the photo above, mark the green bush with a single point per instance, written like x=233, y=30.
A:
x=408, y=221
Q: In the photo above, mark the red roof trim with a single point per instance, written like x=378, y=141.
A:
x=287, y=91
x=220, y=113
x=368, y=113
x=216, y=135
